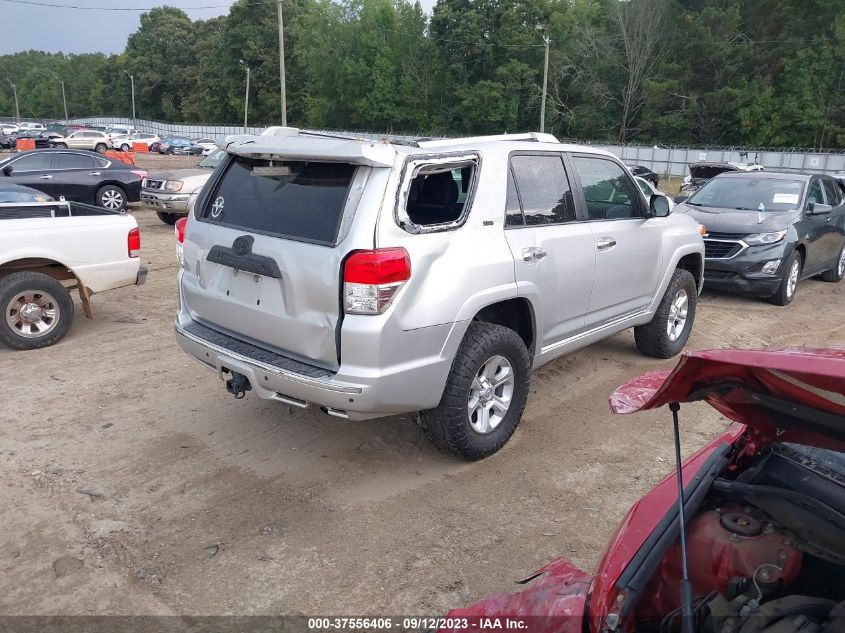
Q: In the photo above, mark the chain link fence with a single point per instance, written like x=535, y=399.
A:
x=670, y=162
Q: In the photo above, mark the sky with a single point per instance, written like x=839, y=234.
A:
x=65, y=30
x=82, y=31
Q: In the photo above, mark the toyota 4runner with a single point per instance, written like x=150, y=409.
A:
x=374, y=277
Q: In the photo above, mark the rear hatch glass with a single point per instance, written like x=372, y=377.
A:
x=295, y=200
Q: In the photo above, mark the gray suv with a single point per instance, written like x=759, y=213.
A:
x=374, y=278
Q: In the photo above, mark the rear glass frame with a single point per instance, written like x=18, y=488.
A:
x=209, y=194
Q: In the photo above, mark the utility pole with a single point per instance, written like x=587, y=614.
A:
x=246, y=99
x=17, y=108
x=132, y=81
x=282, y=64
x=545, y=84
x=64, y=100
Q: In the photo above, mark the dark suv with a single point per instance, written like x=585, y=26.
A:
x=766, y=231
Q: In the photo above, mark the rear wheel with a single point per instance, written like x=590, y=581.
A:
x=789, y=281
x=37, y=310
x=124, y=148
x=168, y=218
x=100, y=148
x=485, y=393
x=668, y=331
x=838, y=271
x=111, y=197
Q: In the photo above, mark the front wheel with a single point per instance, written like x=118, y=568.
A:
x=836, y=273
x=37, y=310
x=789, y=281
x=61, y=145
x=485, y=393
x=111, y=197
x=168, y=218
x=668, y=331
x=124, y=148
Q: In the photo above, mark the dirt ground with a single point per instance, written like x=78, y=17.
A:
x=132, y=483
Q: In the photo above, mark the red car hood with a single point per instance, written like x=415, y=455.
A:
x=794, y=394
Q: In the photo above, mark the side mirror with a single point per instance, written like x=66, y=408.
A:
x=659, y=206
x=7, y=170
x=817, y=208
x=680, y=198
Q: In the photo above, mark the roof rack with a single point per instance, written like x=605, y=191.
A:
x=537, y=137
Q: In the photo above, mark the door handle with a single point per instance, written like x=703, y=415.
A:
x=45, y=177
x=605, y=243
x=533, y=254
x=95, y=173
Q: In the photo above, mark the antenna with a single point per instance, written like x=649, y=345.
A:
x=686, y=587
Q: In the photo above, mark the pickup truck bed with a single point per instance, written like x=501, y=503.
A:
x=50, y=248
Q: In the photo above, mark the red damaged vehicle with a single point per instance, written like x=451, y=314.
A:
x=763, y=549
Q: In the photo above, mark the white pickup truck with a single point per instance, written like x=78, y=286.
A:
x=48, y=249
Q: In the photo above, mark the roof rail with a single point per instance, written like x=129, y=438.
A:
x=537, y=137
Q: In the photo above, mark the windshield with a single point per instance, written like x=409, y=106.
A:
x=747, y=192
x=212, y=160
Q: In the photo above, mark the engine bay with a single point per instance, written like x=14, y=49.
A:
x=765, y=550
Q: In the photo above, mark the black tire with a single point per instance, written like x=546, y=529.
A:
x=61, y=145
x=783, y=297
x=836, y=273
x=448, y=425
x=111, y=197
x=169, y=151
x=41, y=286
x=168, y=218
x=653, y=338
x=124, y=148
x=100, y=148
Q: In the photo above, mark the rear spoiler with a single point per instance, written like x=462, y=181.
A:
x=321, y=148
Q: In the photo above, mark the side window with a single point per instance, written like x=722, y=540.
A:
x=643, y=185
x=833, y=191
x=608, y=190
x=73, y=161
x=544, y=191
x=438, y=195
x=32, y=162
x=815, y=194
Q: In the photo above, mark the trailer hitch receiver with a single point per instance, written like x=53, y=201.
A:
x=238, y=385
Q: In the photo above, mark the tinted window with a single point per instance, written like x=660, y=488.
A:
x=73, y=161
x=833, y=191
x=32, y=162
x=544, y=192
x=815, y=192
x=609, y=192
x=294, y=199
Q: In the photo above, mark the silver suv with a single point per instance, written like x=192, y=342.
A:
x=376, y=278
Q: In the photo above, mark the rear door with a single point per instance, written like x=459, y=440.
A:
x=75, y=176
x=263, y=263
x=553, y=254
x=627, y=244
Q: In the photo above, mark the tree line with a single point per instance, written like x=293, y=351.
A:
x=718, y=72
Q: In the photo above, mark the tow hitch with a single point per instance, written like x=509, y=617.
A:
x=238, y=385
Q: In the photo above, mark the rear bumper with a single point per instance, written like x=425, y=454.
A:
x=166, y=202
x=353, y=392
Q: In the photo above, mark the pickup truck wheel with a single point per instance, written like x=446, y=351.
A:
x=37, y=310
x=485, y=393
x=667, y=333
x=111, y=197
x=168, y=218
x=838, y=271
x=789, y=282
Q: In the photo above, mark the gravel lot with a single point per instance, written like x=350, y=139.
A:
x=132, y=483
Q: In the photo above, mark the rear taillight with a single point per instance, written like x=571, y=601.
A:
x=133, y=242
x=179, y=227
x=372, y=278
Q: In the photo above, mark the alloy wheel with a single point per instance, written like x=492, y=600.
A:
x=677, y=315
x=792, y=280
x=490, y=394
x=33, y=313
